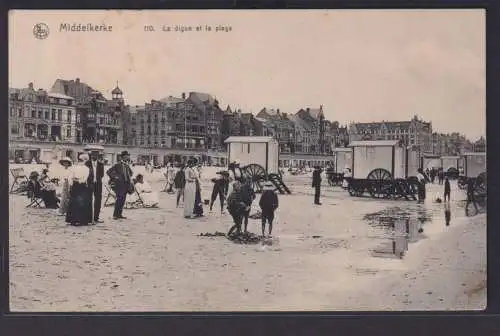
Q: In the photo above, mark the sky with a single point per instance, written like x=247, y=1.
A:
x=362, y=66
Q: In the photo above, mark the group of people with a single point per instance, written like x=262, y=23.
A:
x=82, y=186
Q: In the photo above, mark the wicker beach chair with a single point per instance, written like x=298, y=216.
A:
x=20, y=179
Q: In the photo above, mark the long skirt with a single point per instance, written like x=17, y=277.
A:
x=79, y=205
x=198, y=207
x=49, y=199
x=63, y=206
x=189, y=198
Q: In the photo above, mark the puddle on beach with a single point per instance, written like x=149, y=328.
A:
x=399, y=228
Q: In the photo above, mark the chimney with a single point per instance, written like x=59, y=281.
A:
x=77, y=81
x=184, y=95
x=308, y=110
x=278, y=111
x=30, y=85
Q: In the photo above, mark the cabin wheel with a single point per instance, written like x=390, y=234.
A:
x=379, y=174
x=256, y=174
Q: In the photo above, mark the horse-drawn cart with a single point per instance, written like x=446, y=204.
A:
x=257, y=160
x=384, y=169
x=475, y=171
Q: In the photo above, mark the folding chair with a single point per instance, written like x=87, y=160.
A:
x=111, y=195
x=19, y=178
x=35, y=200
x=139, y=203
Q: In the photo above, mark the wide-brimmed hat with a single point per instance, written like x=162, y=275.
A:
x=66, y=160
x=83, y=157
x=34, y=174
x=94, y=148
x=192, y=161
x=124, y=153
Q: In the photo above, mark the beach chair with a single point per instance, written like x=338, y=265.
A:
x=34, y=196
x=19, y=178
x=111, y=196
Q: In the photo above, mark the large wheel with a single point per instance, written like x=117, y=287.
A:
x=379, y=174
x=256, y=174
x=378, y=183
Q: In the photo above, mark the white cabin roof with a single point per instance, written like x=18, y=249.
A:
x=374, y=143
x=251, y=139
x=342, y=149
x=450, y=157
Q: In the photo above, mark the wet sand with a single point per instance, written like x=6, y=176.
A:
x=321, y=259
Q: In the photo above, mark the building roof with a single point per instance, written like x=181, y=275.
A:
x=374, y=143
x=59, y=95
x=117, y=91
x=171, y=100
x=251, y=139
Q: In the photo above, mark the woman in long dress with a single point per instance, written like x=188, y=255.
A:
x=190, y=189
x=79, y=210
x=198, y=205
x=66, y=162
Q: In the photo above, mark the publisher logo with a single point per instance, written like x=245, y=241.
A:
x=41, y=31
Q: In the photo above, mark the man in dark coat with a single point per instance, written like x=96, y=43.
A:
x=120, y=178
x=316, y=184
x=94, y=181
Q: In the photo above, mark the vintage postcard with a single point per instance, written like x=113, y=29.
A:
x=315, y=160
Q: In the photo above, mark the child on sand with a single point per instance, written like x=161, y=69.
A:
x=268, y=204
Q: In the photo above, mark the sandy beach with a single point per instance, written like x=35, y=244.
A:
x=321, y=258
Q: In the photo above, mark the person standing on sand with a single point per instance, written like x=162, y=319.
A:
x=219, y=189
x=247, y=197
x=180, y=184
x=268, y=204
x=190, y=189
x=447, y=190
x=96, y=168
x=421, y=185
x=120, y=178
x=198, y=205
x=79, y=210
x=66, y=162
x=471, y=198
x=236, y=208
x=316, y=184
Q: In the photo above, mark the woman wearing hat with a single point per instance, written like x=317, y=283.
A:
x=66, y=162
x=79, y=209
x=190, y=189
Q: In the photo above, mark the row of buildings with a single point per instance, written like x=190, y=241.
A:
x=73, y=112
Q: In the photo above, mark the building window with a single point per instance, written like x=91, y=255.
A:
x=59, y=115
x=33, y=113
x=14, y=129
x=68, y=132
x=53, y=114
x=12, y=112
x=40, y=114
x=69, y=116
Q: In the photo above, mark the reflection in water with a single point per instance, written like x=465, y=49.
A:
x=447, y=213
x=402, y=232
